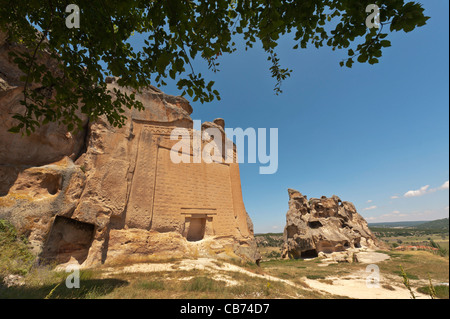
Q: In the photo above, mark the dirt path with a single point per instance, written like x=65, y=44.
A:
x=203, y=264
x=353, y=286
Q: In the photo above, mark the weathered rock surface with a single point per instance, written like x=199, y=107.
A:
x=49, y=143
x=324, y=225
x=108, y=194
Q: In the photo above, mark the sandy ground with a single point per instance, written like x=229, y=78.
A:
x=371, y=257
x=364, y=257
x=203, y=264
x=354, y=286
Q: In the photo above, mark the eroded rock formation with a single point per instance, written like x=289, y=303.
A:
x=323, y=225
x=111, y=194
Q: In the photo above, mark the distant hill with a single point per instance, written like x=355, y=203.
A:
x=406, y=224
x=269, y=240
x=268, y=234
x=438, y=224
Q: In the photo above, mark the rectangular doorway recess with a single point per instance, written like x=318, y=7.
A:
x=196, y=229
x=198, y=223
x=68, y=238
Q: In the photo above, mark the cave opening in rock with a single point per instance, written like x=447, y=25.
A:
x=196, y=230
x=315, y=224
x=291, y=230
x=311, y=253
x=52, y=182
x=68, y=238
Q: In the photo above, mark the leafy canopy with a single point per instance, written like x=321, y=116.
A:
x=177, y=32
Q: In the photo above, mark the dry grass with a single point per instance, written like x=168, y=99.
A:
x=192, y=285
x=140, y=259
x=222, y=282
x=418, y=265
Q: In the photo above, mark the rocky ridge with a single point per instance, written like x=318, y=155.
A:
x=323, y=226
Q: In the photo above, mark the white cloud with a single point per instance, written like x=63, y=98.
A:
x=414, y=193
x=369, y=201
x=425, y=190
x=370, y=208
x=394, y=216
x=445, y=185
x=397, y=215
x=394, y=197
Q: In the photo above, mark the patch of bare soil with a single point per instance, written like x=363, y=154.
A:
x=202, y=264
x=356, y=285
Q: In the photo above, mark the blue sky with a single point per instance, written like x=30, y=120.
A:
x=368, y=134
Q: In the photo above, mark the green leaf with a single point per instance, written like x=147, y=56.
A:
x=349, y=63
x=172, y=74
x=362, y=58
x=14, y=129
x=373, y=60
x=175, y=33
x=385, y=43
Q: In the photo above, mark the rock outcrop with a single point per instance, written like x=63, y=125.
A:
x=108, y=194
x=324, y=225
x=51, y=142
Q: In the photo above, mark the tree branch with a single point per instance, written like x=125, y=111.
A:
x=27, y=82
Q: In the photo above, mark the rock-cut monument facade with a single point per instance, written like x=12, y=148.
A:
x=107, y=194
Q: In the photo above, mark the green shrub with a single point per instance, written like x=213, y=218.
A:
x=441, y=291
x=410, y=276
x=151, y=285
x=15, y=255
x=202, y=284
x=406, y=282
x=441, y=251
x=273, y=254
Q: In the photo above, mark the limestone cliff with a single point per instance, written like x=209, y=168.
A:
x=323, y=225
x=109, y=194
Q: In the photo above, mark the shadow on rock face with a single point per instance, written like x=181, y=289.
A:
x=68, y=239
x=8, y=177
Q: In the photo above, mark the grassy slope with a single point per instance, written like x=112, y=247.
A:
x=439, y=224
x=15, y=257
x=194, y=284
x=43, y=282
